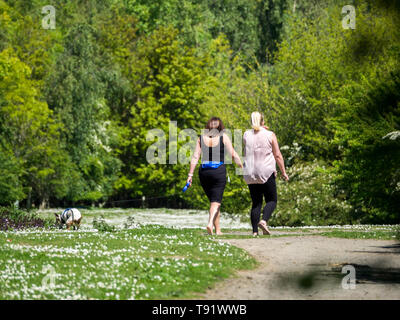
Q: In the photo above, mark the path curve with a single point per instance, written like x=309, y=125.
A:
x=309, y=267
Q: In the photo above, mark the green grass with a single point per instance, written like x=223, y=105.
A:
x=150, y=262
x=379, y=235
x=250, y=236
x=352, y=232
x=249, y=230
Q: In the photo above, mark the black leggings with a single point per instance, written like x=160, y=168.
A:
x=257, y=191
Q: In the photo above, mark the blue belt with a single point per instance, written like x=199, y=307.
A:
x=211, y=164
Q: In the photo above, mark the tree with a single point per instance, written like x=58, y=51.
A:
x=167, y=80
x=28, y=134
x=11, y=188
x=336, y=93
x=75, y=91
x=368, y=169
x=202, y=21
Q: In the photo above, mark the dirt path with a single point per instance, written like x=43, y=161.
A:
x=309, y=267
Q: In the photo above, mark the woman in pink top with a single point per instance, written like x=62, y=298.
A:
x=259, y=168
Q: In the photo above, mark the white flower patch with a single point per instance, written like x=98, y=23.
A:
x=176, y=218
x=89, y=264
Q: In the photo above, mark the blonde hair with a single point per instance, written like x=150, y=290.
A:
x=256, y=120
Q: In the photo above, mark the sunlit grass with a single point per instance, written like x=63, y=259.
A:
x=151, y=262
x=143, y=261
x=379, y=235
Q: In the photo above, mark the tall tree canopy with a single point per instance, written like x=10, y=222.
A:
x=78, y=103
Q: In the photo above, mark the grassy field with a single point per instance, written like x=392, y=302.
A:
x=377, y=234
x=140, y=259
x=150, y=262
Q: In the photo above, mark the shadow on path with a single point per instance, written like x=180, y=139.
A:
x=368, y=274
x=390, y=249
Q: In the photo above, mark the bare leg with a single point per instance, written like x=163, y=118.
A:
x=214, y=207
x=216, y=223
x=79, y=223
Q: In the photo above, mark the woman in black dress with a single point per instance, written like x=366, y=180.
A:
x=211, y=146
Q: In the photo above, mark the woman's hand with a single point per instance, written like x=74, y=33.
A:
x=189, y=180
x=285, y=176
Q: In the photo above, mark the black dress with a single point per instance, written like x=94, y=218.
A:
x=212, y=180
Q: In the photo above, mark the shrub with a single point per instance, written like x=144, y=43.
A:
x=130, y=223
x=397, y=232
x=101, y=225
x=15, y=219
x=310, y=198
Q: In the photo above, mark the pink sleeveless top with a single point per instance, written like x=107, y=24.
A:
x=259, y=161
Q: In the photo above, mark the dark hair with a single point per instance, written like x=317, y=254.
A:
x=220, y=125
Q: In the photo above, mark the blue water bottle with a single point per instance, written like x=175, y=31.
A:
x=186, y=187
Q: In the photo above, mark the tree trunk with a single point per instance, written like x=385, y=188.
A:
x=29, y=200
x=45, y=203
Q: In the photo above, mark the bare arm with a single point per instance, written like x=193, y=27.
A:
x=278, y=156
x=194, y=161
x=231, y=150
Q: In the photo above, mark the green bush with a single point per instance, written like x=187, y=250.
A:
x=130, y=223
x=310, y=198
x=368, y=167
x=397, y=232
x=101, y=225
x=14, y=219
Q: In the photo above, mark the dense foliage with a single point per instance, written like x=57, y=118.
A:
x=310, y=199
x=15, y=219
x=77, y=102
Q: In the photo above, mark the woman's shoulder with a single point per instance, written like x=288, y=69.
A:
x=262, y=129
x=225, y=137
x=269, y=132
